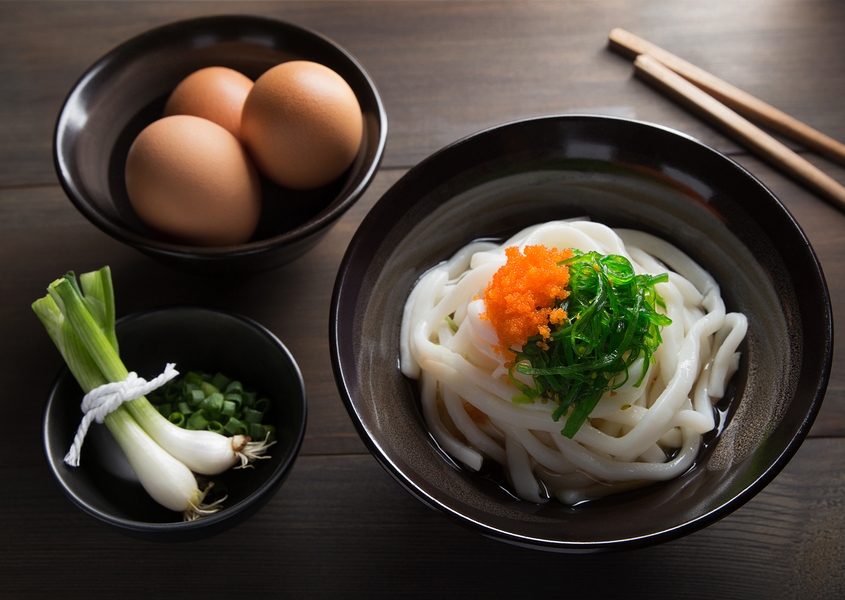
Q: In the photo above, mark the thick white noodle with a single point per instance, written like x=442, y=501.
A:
x=632, y=432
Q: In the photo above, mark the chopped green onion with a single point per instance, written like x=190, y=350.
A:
x=202, y=391
x=228, y=409
x=220, y=381
x=258, y=430
x=236, y=427
x=197, y=421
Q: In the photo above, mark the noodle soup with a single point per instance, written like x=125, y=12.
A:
x=482, y=403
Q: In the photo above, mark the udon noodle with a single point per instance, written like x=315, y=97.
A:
x=635, y=434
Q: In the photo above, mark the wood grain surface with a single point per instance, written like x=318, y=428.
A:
x=341, y=527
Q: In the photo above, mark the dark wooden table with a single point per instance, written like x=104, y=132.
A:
x=341, y=526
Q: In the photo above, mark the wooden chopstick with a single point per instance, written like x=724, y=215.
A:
x=631, y=45
x=656, y=73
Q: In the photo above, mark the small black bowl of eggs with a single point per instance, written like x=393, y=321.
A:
x=224, y=144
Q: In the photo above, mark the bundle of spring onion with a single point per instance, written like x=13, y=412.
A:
x=79, y=316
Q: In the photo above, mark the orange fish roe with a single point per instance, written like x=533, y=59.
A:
x=521, y=297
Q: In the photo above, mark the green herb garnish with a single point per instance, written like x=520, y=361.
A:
x=611, y=322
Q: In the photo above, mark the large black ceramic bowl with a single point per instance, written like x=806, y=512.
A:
x=621, y=173
x=126, y=89
x=104, y=485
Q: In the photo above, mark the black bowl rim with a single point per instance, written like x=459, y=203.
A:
x=321, y=222
x=361, y=239
x=211, y=523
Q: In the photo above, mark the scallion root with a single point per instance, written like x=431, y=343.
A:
x=198, y=508
x=249, y=451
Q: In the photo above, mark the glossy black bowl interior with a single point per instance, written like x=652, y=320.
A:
x=624, y=174
x=104, y=485
x=126, y=90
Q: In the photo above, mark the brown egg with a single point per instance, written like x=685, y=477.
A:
x=302, y=124
x=213, y=93
x=194, y=182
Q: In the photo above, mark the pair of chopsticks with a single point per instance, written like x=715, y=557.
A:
x=721, y=103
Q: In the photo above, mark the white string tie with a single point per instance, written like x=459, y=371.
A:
x=105, y=399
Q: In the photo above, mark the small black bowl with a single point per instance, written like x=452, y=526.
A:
x=104, y=485
x=126, y=90
x=624, y=174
